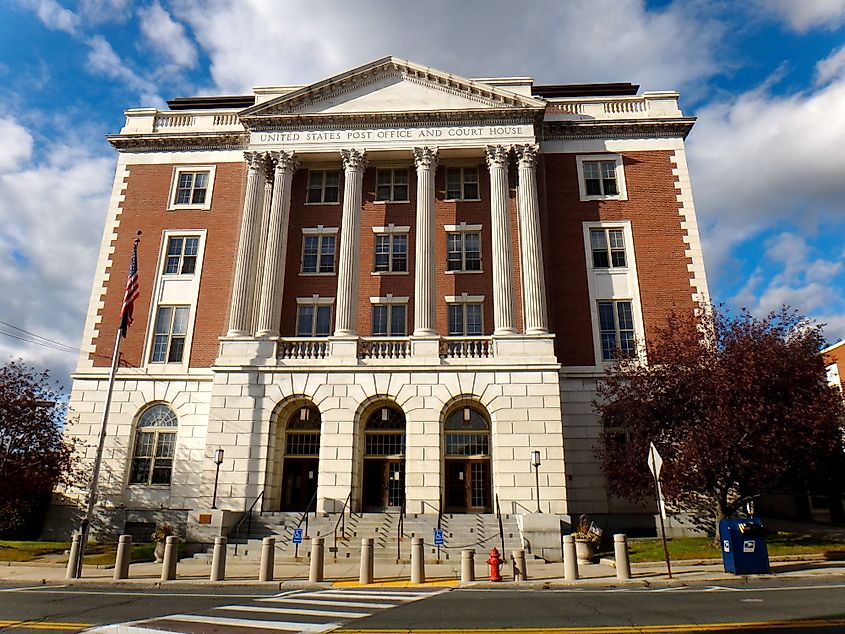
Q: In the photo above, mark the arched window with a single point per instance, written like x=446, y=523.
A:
x=467, y=433
x=155, y=445
x=303, y=432
x=385, y=432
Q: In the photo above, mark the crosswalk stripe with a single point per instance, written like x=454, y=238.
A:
x=254, y=624
x=296, y=611
x=372, y=595
x=340, y=604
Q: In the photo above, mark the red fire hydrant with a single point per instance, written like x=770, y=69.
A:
x=495, y=563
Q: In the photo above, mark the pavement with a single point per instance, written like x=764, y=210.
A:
x=194, y=572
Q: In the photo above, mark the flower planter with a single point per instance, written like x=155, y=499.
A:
x=584, y=551
x=159, y=552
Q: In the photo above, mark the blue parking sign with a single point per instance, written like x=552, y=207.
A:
x=297, y=535
x=438, y=537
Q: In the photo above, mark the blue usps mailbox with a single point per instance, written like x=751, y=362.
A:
x=744, y=549
x=438, y=537
x=297, y=535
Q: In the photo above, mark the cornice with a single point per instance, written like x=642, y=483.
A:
x=191, y=141
x=619, y=129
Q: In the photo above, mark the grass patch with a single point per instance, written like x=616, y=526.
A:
x=27, y=551
x=778, y=544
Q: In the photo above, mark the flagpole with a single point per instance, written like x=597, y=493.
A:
x=85, y=526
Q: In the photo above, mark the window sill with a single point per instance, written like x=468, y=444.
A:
x=461, y=200
x=610, y=270
x=462, y=272
x=317, y=204
x=202, y=207
x=387, y=202
x=139, y=485
x=301, y=274
x=585, y=199
x=379, y=273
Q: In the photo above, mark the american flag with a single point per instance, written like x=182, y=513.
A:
x=132, y=291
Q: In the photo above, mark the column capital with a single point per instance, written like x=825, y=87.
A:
x=527, y=154
x=354, y=160
x=426, y=157
x=283, y=161
x=255, y=160
x=497, y=156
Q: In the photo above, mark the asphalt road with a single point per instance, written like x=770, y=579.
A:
x=770, y=605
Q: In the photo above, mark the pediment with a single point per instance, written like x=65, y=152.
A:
x=391, y=85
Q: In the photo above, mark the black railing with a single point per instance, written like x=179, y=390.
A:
x=247, y=517
x=304, y=518
x=341, y=521
x=400, y=532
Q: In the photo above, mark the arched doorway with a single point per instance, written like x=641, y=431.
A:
x=384, y=459
x=302, y=458
x=467, y=461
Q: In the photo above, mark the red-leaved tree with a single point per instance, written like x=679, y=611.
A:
x=737, y=407
x=34, y=458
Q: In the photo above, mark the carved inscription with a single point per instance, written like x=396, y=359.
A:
x=390, y=134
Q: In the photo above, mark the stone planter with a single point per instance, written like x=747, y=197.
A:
x=584, y=551
x=159, y=552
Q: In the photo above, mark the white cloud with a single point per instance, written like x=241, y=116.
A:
x=167, y=36
x=832, y=67
x=103, y=60
x=52, y=205
x=53, y=15
x=254, y=42
x=802, y=15
x=100, y=11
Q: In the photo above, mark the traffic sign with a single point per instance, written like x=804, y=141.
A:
x=438, y=537
x=297, y=535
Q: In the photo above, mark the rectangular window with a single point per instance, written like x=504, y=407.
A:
x=314, y=320
x=608, y=246
x=318, y=251
x=465, y=320
x=323, y=186
x=181, y=258
x=391, y=253
x=153, y=459
x=462, y=183
x=191, y=188
x=600, y=178
x=463, y=251
x=616, y=328
x=171, y=330
x=392, y=185
x=390, y=320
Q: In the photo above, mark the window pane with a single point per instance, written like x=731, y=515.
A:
x=397, y=320
x=174, y=246
x=383, y=177
x=315, y=179
x=324, y=321
x=608, y=169
x=598, y=240
x=471, y=191
x=332, y=178
x=400, y=192
x=454, y=245
x=166, y=445
x=591, y=170
x=161, y=471
x=331, y=194
x=183, y=188
x=201, y=180
x=180, y=321
x=600, y=260
x=309, y=254
x=593, y=187
x=472, y=245
x=608, y=346
x=177, y=347
x=606, y=321
x=140, y=471
x=473, y=312
x=626, y=316
x=382, y=253
x=163, y=320
x=626, y=343
x=379, y=320
x=453, y=183
x=327, y=247
x=400, y=177
x=618, y=258
x=610, y=187
x=171, y=265
x=616, y=239
x=305, y=320
x=159, y=349
x=189, y=264
x=400, y=252
x=456, y=319
x=144, y=444
x=314, y=195
x=383, y=192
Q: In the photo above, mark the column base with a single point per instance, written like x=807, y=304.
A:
x=425, y=347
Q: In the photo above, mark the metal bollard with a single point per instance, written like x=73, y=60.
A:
x=268, y=559
x=124, y=556
x=467, y=565
x=623, y=563
x=218, y=560
x=417, y=560
x=519, y=571
x=168, y=564
x=73, y=557
x=366, y=575
x=315, y=573
x=570, y=560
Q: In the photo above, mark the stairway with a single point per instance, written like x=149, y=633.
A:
x=478, y=531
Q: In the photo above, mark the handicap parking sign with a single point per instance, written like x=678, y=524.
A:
x=297, y=535
x=438, y=537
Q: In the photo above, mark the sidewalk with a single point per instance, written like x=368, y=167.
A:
x=192, y=572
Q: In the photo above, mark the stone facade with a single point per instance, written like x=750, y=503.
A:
x=492, y=288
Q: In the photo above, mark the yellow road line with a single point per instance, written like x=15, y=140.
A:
x=622, y=629
x=45, y=625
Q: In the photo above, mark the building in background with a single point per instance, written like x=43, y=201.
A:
x=388, y=288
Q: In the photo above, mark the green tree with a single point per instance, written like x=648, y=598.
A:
x=737, y=407
x=34, y=457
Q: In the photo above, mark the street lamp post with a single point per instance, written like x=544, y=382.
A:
x=535, y=460
x=218, y=460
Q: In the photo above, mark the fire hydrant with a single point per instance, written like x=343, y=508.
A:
x=495, y=563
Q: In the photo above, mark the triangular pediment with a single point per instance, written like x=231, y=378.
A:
x=391, y=85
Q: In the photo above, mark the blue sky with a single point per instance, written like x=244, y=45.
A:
x=765, y=77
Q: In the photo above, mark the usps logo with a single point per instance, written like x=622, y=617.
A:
x=726, y=545
x=748, y=546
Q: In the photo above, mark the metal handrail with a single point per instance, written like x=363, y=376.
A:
x=400, y=531
x=304, y=517
x=248, y=517
x=342, y=520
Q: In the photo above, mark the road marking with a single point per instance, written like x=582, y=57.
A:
x=28, y=588
x=127, y=593
x=340, y=604
x=294, y=611
x=267, y=625
x=441, y=582
x=44, y=625
x=404, y=596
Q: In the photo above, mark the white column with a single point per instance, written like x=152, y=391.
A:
x=346, y=307
x=424, y=274
x=530, y=243
x=240, y=316
x=273, y=281
x=261, y=247
x=503, y=287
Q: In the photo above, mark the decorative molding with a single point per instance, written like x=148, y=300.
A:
x=178, y=142
x=617, y=129
x=255, y=160
x=425, y=158
x=354, y=160
x=284, y=161
x=497, y=156
x=342, y=121
x=527, y=154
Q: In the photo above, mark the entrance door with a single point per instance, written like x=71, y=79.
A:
x=468, y=486
x=384, y=485
x=299, y=483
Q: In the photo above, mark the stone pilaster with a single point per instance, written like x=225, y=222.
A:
x=346, y=304
x=261, y=248
x=504, y=309
x=270, y=305
x=240, y=315
x=530, y=243
x=425, y=304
